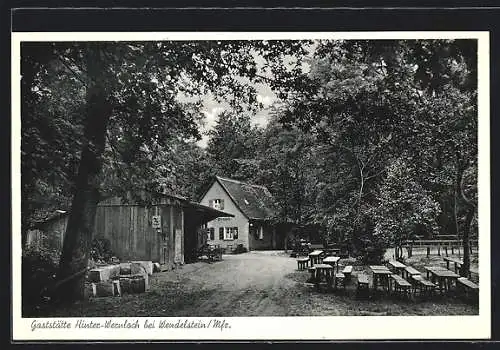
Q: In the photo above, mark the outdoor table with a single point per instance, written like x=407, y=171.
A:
x=445, y=279
x=332, y=251
x=332, y=260
x=456, y=262
x=443, y=275
x=380, y=274
x=397, y=266
x=315, y=257
x=410, y=271
x=433, y=268
x=323, y=271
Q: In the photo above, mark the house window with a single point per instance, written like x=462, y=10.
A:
x=211, y=233
x=228, y=233
x=217, y=204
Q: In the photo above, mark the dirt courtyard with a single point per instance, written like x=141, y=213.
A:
x=263, y=283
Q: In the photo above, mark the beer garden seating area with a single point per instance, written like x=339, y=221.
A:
x=332, y=273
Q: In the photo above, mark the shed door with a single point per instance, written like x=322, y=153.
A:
x=163, y=248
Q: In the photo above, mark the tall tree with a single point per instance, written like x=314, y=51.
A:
x=131, y=106
x=373, y=101
x=232, y=141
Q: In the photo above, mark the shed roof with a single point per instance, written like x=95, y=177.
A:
x=254, y=201
x=204, y=212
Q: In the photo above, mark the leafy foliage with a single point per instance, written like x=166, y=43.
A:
x=404, y=208
x=101, y=250
x=39, y=267
x=372, y=141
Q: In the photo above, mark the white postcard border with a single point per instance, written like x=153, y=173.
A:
x=265, y=328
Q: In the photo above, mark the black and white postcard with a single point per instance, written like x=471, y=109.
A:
x=250, y=185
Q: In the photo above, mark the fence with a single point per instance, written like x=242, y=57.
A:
x=438, y=246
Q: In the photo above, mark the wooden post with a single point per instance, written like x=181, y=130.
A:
x=171, y=235
x=452, y=250
x=439, y=249
x=446, y=250
x=428, y=251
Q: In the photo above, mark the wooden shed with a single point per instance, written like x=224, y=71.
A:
x=165, y=230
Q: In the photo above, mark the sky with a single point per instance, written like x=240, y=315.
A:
x=212, y=108
x=265, y=95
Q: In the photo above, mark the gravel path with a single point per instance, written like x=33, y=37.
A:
x=264, y=283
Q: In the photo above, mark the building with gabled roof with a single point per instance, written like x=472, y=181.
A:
x=163, y=228
x=253, y=209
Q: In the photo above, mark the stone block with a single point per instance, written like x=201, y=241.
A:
x=104, y=273
x=147, y=265
x=125, y=269
x=137, y=269
x=133, y=284
x=106, y=289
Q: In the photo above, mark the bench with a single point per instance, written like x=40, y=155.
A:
x=363, y=287
x=410, y=271
x=467, y=288
x=347, y=271
x=339, y=279
x=302, y=263
x=424, y=286
x=401, y=286
x=312, y=271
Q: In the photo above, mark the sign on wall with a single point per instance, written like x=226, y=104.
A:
x=156, y=221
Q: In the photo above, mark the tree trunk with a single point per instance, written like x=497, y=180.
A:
x=78, y=236
x=464, y=270
x=455, y=212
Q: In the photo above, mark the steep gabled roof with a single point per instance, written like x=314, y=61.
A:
x=254, y=201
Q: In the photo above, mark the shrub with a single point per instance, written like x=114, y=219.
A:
x=371, y=250
x=100, y=250
x=39, y=268
x=240, y=249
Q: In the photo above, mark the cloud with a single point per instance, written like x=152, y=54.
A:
x=265, y=100
x=203, y=142
x=261, y=118
x=211, y=111
x=211, y=116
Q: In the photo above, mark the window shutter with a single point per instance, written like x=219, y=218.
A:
x=212, y=233
x=235, y=233
x=221, y=204
x=221, y=233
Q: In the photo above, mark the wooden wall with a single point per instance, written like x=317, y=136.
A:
x=50, y=233
x=129, y=229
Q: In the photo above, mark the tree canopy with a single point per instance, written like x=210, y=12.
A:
x=371, y=139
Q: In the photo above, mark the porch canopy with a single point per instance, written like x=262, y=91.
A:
x=202, y=213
